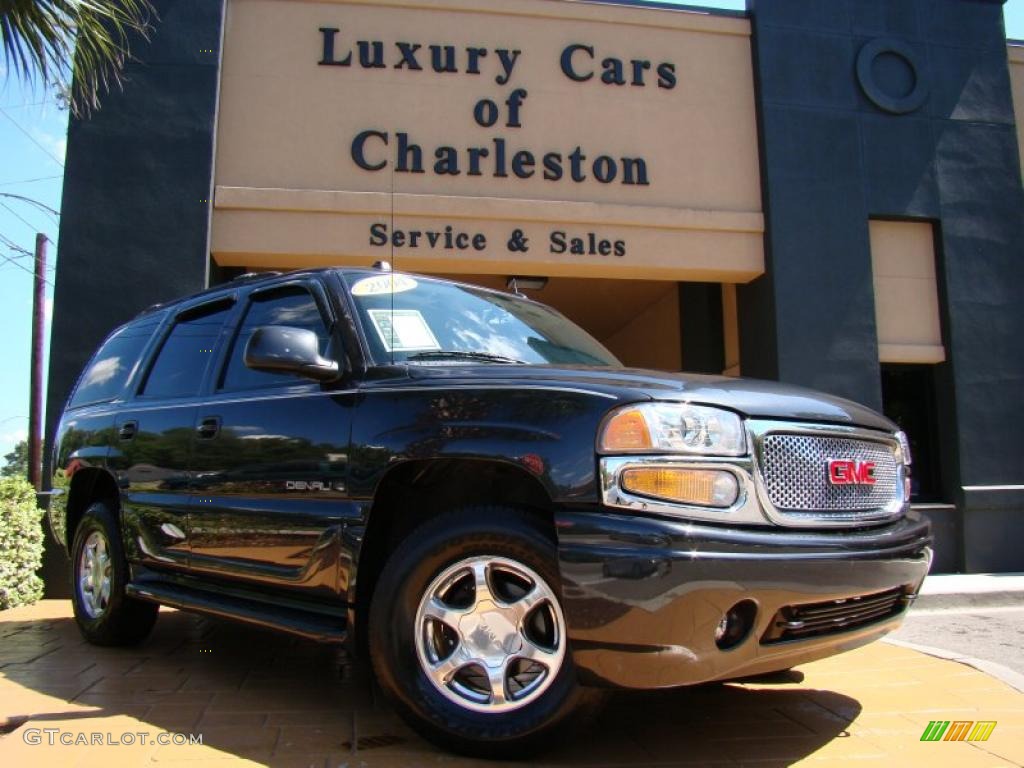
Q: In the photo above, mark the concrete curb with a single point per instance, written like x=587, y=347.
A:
x=967, y=601
x=1004, y=674
x=975, y=590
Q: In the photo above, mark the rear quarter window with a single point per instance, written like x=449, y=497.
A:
x=107, y=373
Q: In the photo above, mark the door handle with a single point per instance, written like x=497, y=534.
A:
x=209, y=428
x=128, y=430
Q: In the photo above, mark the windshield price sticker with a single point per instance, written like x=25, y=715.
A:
x=383, y=284
x=403, y=330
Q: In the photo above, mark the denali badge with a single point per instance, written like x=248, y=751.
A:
x=849, y=472
x=313, y=485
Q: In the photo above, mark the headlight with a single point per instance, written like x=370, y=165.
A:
x=673, y=428
x=904, y=447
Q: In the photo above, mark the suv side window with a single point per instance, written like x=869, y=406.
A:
x=186, y=352
x=107, y=373
x=291, y=305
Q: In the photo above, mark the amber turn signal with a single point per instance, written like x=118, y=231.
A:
x=703, y=487
x=627, y=431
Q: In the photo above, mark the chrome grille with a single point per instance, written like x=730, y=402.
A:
x=795, y=473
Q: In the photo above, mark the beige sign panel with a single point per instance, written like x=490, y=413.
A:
x=527, y=136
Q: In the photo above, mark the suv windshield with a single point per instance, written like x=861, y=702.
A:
x=422, y=321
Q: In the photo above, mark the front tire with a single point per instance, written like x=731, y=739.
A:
x=99, y=572
x=467, y=634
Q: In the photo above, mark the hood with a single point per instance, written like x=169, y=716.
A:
x=751, y=397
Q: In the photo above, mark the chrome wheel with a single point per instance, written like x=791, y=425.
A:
x=94, y=575
x=490, y=635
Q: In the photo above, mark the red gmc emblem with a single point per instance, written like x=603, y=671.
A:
x=849, y=472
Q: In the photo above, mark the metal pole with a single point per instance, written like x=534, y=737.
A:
x=35, y=413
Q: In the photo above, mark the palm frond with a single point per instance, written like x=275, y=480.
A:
x=84, y=42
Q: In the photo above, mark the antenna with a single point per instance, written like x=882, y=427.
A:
x=392, y=238
x=393, y=263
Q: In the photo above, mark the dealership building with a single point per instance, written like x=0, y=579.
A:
x=822, y=192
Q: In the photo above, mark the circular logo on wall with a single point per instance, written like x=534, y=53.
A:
x=891, y=77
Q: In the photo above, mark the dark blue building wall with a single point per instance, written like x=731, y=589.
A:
x=135, y=205
x=924, y=130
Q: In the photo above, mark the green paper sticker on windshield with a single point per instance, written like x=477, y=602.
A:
x=403, y=330
x=379, y=285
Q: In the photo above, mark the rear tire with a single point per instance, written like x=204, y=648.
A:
x=467, y=635
x=99, y=572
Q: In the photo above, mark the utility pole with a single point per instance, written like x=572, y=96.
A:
x=35, y=413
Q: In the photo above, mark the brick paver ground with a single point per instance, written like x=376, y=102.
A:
x=274, y=700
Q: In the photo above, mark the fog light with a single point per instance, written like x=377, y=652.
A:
x=735, y=624
x=703, y=487
x=721, y=629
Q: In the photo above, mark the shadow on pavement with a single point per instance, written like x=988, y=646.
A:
x=286, y=701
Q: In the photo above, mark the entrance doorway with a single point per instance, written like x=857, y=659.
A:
x=637, y=320
x=909, y=399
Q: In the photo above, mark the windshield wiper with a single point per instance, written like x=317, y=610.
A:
x=453, y=354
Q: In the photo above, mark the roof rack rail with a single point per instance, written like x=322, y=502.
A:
x=254, y=276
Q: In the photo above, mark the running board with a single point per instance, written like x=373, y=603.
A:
x=324, y=629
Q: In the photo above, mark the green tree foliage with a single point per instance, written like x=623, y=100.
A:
x=21, y=543
x=84, y=42
x=16, y=462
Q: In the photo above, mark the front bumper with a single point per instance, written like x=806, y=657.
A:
x=642, y=597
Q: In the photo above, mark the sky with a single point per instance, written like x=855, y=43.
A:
x=32, y=143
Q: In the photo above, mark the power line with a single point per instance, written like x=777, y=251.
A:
x=20, y=253
x=30, y=137
x=26, y=254
x=23, y=252
x=9, y=260
x=50, y=270
x=30, y=181
x=53, y=213
x=15, y=247
x=20, y=218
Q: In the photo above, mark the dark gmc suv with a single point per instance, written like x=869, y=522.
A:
x=468, y=487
